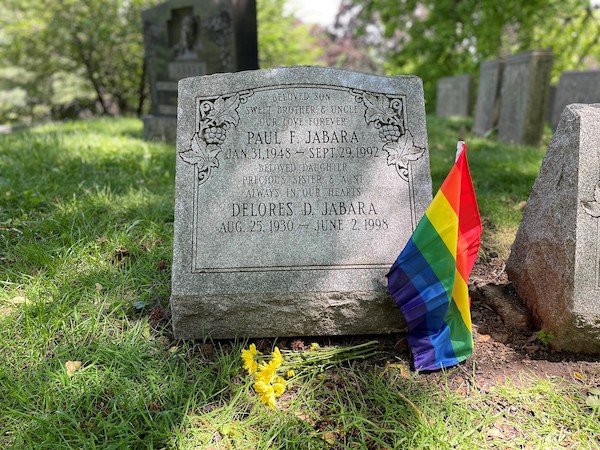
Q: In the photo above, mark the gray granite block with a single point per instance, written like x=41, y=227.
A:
x=555, y=260
x=185, y=38
x=296, y=189
x=160, y=128
x=524, y=97
x=575, y=87
x=454, y=96
x=550, y=105
x=488, y=96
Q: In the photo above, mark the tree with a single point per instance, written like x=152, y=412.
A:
x=436, y=38
x=282, y=39
x=100, y=40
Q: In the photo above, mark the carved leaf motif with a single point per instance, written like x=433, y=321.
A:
x=202, y=154
x=592, y=208
x=597, y=192
x=378, y=108
x=403, y=151
x=225, y=111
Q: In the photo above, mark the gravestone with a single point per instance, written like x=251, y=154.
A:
x=555, y=260
x=524, y=96
x=454, y=96
x=575, y=87
x=185, y=38
x=296, y=189
x=488, y=96
x=550, y=106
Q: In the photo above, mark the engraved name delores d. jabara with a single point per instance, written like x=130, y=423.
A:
x=384, y=112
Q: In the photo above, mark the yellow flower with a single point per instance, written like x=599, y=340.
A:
x=266, y=393
x=314, y=346
x=276, y=357
x=279, y=386
x=249, y=359
x=290, y=373
x=266, y=372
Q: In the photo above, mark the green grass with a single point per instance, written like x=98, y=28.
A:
x=86, y=224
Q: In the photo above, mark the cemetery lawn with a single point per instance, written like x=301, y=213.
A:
x=87, y=358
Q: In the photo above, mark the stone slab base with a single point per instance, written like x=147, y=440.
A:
x=302, y=314
x=160, y=128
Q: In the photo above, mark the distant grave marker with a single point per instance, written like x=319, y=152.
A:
x=488, y=96
x=454, y=96
x=186, y=38
x=524, y=96
x=575, y=87
x=296, y=188
x=555, y=261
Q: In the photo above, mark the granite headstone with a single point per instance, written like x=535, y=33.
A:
x=575, y=87
x=524, y=96
x=454, y=96
x=184, y=38
x=550, y=105
x=296, y=189
x=488, y=96
x=555, y=260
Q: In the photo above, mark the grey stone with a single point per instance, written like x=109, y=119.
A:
x=524, y=96
x=160, y=128
x=575, y=87
x=296, y=189
x=555, y=260
x=454, y=96
x=185, y=38
x=551, y=100
x=488, y=96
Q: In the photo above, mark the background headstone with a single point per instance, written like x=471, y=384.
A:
x=488, y=95
x=454, y=96
x=185, y=38
x=524, y=96
x=550, y=105
x=555, y=260
x=296, y=189
x=575, y=87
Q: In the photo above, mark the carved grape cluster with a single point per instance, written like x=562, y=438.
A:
x=214, y=135
x=389, y=133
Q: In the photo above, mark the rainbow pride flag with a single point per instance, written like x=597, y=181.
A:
x=428, y=281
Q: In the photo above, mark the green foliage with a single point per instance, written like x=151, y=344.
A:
x=97, y=41
x=436, y=38
x=282, y=40
x=545, y=337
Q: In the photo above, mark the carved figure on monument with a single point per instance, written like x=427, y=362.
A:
x=189, y=31
x=188, y=38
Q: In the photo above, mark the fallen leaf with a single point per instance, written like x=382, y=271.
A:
x=520, y=205
x=18, y=300
x=304, y=417
x=72, y=367
x=139, y=304
x=579, y=376
x=403, y=369
x=99, y=287
x=329, y=437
